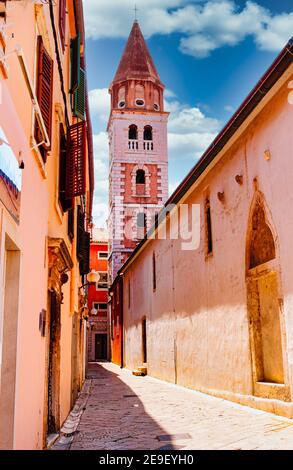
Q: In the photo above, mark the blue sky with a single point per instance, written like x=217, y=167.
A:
x=209, y=55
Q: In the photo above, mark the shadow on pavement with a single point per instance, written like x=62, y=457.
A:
x=115, y=418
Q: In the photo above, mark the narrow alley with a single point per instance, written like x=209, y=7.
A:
x=118, y=411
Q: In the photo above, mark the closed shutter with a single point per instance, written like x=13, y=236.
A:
x=82, y=243
x=65, y=203
x=44, y=89
x=79, y=231
x=84, y=265
x=62, y=22
x=76, y=160
x=75, y=63
x=79, y=97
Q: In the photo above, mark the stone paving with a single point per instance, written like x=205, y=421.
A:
x=118, y=411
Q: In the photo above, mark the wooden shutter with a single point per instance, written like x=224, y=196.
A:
x=76, y=160
x=44, y=88
x=66, y=204
x=84, y=265
x=79, y=97
x=75, y=63
x=83, y=243
x=62, y=22
x=79, y=232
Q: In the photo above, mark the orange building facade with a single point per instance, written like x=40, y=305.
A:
x=98, y=346
x=46, y=190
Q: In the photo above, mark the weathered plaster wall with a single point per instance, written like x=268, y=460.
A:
x=197, y=321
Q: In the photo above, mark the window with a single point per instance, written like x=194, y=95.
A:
x=132, y=132
x=148, y=133
x=62, y=22
x=103, y=255
x=44, y=94
x=140, y=177
x=154, y=272
x=79, y=97
x=100, y=306
x=139, y=102
x=156, y=107
x=121, y=104
x=141, y=225
x=82, y=243
x=208, y=220
x=103, y=281
x=76, y=160
x=65, y=203
x=75, y=63
x=70, y=223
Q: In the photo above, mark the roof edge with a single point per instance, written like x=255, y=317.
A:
x=261, y=89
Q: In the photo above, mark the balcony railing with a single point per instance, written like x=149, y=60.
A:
x=133, y=145
x=147, y=145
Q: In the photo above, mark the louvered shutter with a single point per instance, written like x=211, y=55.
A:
x=76, y=160
x=66, y=204
x=82, y=243
x=75, y=63
x=84, y=265
x=44, y=89
x=79, y=97
x=62, y=22
x=79, y=232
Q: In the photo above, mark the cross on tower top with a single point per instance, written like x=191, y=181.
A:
x=135, y=12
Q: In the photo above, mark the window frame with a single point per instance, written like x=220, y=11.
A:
x=97, y=284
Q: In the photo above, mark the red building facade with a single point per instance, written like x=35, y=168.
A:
x=98, y=345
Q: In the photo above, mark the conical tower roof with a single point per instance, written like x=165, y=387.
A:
x=136, y=61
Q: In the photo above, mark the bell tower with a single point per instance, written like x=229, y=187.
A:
x=137, y=133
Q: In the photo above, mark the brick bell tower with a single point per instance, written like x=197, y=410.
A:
x=137, y=132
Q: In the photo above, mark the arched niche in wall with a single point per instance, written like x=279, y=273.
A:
x=264, y=306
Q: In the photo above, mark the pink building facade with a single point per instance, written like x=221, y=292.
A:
x=44, y=217
x=138, y=150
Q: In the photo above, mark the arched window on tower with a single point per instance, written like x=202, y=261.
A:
x=140, y=182
x=148, y=137
x=132, y=136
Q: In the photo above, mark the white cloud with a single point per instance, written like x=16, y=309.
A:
x=204, y=25
x=99, y=100
x=190, y=131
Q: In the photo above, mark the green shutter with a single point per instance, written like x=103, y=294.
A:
x=79, y=97
x=75, y=63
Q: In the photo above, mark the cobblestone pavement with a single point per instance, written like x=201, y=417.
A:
x=118, y=411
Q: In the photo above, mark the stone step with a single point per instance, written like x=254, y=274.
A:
x=140, y=371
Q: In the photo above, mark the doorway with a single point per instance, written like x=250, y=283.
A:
x=9, y=343
x=100, y=347
x=53, y=422
x=267, y=337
